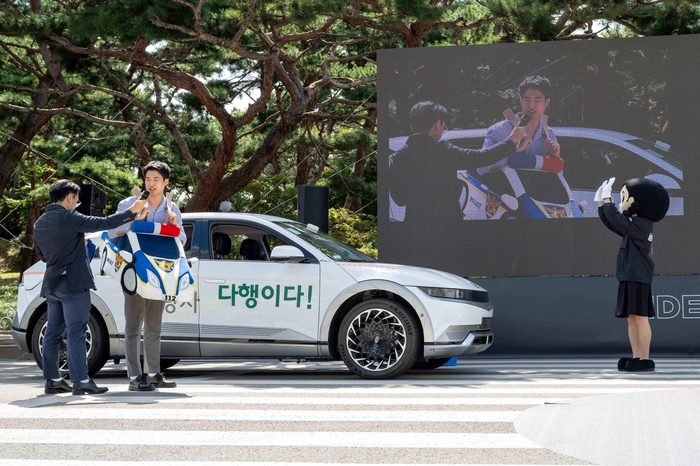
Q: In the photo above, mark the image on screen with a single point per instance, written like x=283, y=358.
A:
x=590, y=110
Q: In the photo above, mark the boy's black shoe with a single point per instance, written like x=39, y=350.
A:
x=622, y=363
x=51, y=387
x=141, y=384
x=161, y=382
x=88, y=388
x=640, y=365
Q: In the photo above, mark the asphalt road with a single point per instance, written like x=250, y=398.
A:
x=483, y=411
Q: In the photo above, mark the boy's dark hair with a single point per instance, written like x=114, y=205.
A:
x=424, y=115
x=536, y=82
x=160, y=167
x=59, y=190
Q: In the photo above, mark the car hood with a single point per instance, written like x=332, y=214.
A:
x=406, y=275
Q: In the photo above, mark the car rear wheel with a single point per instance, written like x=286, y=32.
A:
x=129, y=280
x=96, y=344
x=103, y=262
x=379, y=339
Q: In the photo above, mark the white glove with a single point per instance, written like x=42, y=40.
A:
x=599, y=194
x=607, y=188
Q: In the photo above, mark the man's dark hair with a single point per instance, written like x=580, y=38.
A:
x=424, y=115
x=160, y=167
x=59, y=190
x=536, y=82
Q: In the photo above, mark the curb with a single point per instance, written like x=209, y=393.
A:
x=9, y=350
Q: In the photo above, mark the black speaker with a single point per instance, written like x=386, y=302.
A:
x=313, y=206
x=92, y=200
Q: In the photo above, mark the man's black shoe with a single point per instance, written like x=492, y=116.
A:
x=51, y=387
x=161, y=382
x=141, y=384
x=640, y=365
x=88, y=388
x=622, y=364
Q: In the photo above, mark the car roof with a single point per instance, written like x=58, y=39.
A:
x=669, y=161
x=233, y=216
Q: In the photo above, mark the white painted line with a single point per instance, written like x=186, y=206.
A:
x=281, y=439
x=282, y=400
x=19, y=462
x=13, y=412
x=399, y=390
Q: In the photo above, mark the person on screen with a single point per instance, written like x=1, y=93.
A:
x=423, y=173
x=642, y=203
x=535, y=92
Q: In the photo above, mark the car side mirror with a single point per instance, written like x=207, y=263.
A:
x=127, y=256
x=192, y=260
x=287, y=253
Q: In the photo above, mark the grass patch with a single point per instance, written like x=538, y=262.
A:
x=8, y=302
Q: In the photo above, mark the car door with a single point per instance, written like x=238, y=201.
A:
x=251, y=306
x=180, y=330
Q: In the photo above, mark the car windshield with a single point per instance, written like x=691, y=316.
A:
x=544, y=186
x=159, y=246
x=331, y=247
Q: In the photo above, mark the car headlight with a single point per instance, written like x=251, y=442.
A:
x=457, y=294
x=184, y=282
x=153, y=279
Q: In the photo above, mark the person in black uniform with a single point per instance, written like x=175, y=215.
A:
x=59, y=240
x=642, y=203
x=423, y=173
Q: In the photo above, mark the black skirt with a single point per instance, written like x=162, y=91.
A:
x=634, y=298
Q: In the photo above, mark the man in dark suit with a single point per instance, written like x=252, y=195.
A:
x=59, y=240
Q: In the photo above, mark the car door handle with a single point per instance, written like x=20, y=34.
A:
x=214, y=280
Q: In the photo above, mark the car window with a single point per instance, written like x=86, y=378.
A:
x=189, y=229
x=242, y=242
x=159, y=246
x=331, y=247
x=588, y=161
x=543, y=186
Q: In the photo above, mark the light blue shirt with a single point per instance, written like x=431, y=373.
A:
x=158, y=216
x=501, y=130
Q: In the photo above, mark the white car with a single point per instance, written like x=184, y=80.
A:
x=268, y=287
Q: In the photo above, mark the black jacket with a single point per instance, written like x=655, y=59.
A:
x=633, y=260
x=59, y=240
x=423, y=176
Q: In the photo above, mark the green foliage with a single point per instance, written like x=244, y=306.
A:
x=8, y=304
x=356, y=229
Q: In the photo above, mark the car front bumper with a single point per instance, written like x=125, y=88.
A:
x=475, y=342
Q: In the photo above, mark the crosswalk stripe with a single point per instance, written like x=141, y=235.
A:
x=218, y=463
x=13, y=412
x=263, y=438
x=286, y=401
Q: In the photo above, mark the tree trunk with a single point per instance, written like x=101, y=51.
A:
x=29, y=257
x=302, y=165
x=353, y=202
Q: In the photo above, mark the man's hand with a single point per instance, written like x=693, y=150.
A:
x=553, y=148
x=138, y=206
x=524, y=142
x=171, y=218
x=517, y=134
x=143, y=214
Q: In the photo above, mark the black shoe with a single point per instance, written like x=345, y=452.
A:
x=141, y=384
x=622, y=363
x=51, y=387
x=88, y=388
x=640, y=365
x=161, y=382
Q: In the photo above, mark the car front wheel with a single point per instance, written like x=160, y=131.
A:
x=96, y=345
x=129, y=280
x=379, y=339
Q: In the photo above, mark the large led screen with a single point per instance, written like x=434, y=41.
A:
x=592, y=110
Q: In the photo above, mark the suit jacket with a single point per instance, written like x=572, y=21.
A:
x=633, y=260
x=59, y=240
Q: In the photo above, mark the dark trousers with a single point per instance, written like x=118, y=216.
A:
x=68, y=311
